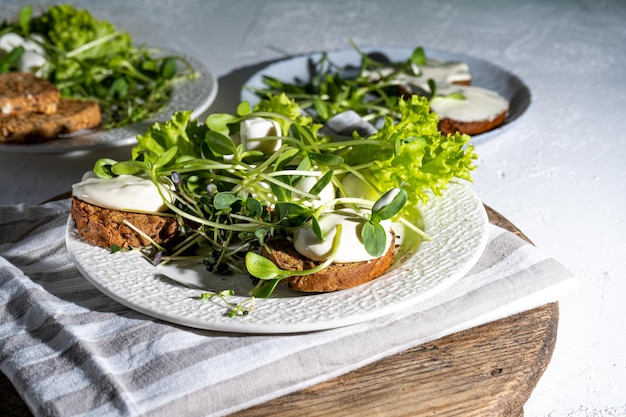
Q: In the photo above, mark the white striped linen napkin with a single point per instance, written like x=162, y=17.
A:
x=72, y=351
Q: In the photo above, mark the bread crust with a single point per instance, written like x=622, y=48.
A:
x=335, y=277
x=22, y=92
x=105, y=227
x=71, y=116
x=451, y=126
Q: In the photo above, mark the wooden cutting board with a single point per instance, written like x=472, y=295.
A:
x=489, y=370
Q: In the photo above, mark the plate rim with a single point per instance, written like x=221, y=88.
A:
x=406, y=50
x=56, y=146
x=247, y=325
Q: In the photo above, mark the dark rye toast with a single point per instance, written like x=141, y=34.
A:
x=23, y=93
x=106, y=227
x=339, y=276
x=71, y=116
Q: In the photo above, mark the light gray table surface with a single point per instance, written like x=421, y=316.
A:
x=557, y=174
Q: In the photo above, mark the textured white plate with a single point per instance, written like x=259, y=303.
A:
x=484, y=74
x=457, y=223
x=196, y=96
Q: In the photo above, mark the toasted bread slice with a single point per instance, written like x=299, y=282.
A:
x=468, y=109
x=338, y=276
x=22, y=92
x=105, y=227
x=451, y=126
x=71, y=116
x=79, y=114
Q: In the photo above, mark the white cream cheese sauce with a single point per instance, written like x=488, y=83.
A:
x=479, y=104
x=124, y=193
x=351, y=247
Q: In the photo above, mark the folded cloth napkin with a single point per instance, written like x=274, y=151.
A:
x=70, y=350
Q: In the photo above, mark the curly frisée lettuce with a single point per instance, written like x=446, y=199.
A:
x=231, y=199
x=180, y=131
x=413, y=154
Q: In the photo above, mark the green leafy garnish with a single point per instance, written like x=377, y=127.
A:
x=372, y=90
x=232, y=200
x=414, y=155
x=332, y=89
x=115, y=248
x=387, y=206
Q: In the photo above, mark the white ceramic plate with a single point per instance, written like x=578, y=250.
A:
x=457, y=223
x=196, y=96
x=484, y=74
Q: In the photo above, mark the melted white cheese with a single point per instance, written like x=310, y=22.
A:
x=479, y=104
x=351, y=247
x=124, y=193
x=259, y=128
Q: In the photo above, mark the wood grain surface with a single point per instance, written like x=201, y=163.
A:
x=489, y=370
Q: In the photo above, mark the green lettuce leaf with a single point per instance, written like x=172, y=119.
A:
x=288, y=107
x=69, y=28
x=181, y=131
x=415, y=155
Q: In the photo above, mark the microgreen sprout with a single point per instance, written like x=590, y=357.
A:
x=115, y=248
x=457, y=95
x=373, y=233
x=368, y=90
x=233, y=309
